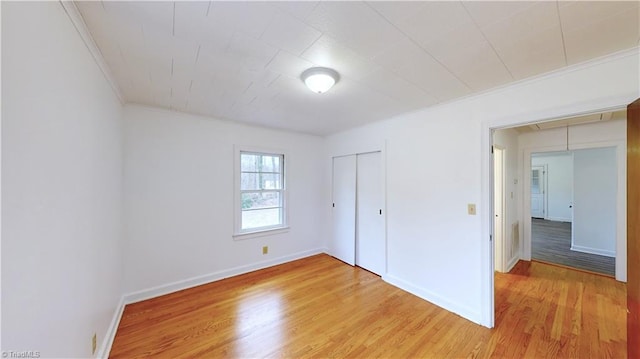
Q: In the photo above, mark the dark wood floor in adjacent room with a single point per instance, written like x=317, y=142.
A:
x=551, y=242
x=320, y=307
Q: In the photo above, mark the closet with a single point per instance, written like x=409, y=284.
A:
x=358, y=236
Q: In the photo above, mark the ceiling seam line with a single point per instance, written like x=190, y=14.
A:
x=438, y=99
x=274, y=80
x=488, y=42
x=394, y=98
x=272, y=58
x=313, y=43
x=312, y=11
x=564, y=46
x=197, y=54
x=419, y=46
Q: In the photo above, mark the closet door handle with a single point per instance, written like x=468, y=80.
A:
x=380, y=211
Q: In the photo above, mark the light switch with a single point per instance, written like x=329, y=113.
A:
x=471, y=209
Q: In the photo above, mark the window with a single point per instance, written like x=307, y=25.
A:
x=261, y=191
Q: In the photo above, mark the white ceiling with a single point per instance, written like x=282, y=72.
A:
x=572, y=121
x=242, y=60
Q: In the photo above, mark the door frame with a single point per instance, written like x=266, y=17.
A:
x=633, y=287
x=487, y=251
x=621, y=198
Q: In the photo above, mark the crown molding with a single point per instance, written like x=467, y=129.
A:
x=78, y=22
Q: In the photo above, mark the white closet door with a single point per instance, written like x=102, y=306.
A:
x=370, y=245
x=342, y=244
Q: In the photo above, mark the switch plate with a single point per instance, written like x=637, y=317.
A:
x=471, y=208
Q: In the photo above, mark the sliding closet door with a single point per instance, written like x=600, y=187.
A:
x=342, y=245
x=370, y=246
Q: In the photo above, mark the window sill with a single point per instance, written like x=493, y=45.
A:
x=260, y=233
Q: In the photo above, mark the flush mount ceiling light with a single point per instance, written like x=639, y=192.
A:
x=320, y=79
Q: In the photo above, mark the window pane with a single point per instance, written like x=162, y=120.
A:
x=261, y=200
x=261, y=218
x=258, y=181
x=250, y=162
x=270, y=164
x=535, y=181
x=262, y=192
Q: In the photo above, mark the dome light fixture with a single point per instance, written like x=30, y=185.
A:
x=320, y=79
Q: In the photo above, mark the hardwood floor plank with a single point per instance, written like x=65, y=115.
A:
x=318, y=307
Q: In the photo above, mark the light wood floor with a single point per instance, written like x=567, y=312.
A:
x=320, y=307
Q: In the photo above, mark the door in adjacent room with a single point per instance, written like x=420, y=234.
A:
x=537, y=191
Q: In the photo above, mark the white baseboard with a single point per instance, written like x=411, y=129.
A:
x=212, y=277
x=601, y=252
x=110, y=335
x=433, y=298
x=512, y=263
x=558, y=219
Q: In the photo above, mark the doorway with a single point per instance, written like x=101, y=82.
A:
x=598, y=130
x=583, y=236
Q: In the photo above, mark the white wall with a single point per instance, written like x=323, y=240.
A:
x=593, y=135
x=559, y=186
x=61, y=186
x=508, y=140
x=179, y=200
x=595, y=182
x=438, y=162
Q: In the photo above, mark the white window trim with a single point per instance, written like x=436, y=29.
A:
x=238, y=234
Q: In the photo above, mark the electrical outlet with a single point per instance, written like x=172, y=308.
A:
x=471, y=209
x=94, y=343
x=265, y=249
